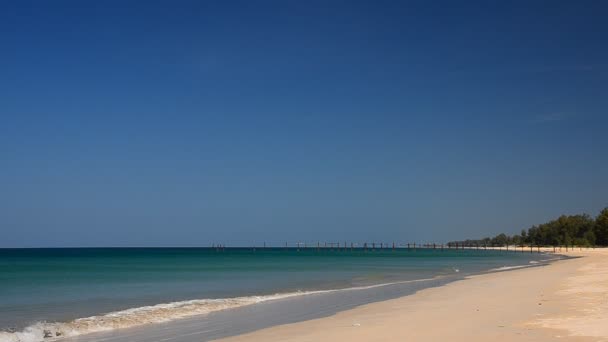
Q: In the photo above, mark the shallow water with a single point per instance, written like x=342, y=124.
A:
x=60, y=285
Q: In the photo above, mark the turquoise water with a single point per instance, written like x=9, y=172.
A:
x=60, y=285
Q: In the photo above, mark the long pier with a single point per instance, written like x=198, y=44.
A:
x=344, y=246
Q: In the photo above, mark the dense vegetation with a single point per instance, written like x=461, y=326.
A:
x=579, y=230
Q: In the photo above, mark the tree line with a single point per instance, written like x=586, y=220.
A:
x=567, y=230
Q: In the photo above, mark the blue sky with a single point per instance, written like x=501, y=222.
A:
x=138, y=123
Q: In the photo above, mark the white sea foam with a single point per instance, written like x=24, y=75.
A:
x=43, y=331
x=506, y=268
x=551, y=259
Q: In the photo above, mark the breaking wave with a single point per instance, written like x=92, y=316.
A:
x=506, y=268
x=531, y=263
x=159, y=313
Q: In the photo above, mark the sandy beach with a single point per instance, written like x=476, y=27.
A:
x=567, y=300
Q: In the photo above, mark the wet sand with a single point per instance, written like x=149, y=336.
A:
x=566, y=300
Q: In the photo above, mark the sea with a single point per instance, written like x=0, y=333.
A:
x=198, y=294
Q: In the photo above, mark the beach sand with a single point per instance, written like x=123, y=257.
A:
x=567, y=300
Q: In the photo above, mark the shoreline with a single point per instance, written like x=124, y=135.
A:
x=279, y=307
x=149, y=323
x=121, y=325
x=563, y=300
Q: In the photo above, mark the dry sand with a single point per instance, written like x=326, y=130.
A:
x=565, y=301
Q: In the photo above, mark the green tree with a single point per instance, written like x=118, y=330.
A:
x=516, y=240
x=601, y=228
x=580, y=230
x=500, y=240
x=589, y=238
x=524, y=236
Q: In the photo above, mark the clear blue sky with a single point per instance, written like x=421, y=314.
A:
x=190, y=122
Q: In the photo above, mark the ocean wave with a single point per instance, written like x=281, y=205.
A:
x=506, y=268
x=551, y=259
x=159, y=313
